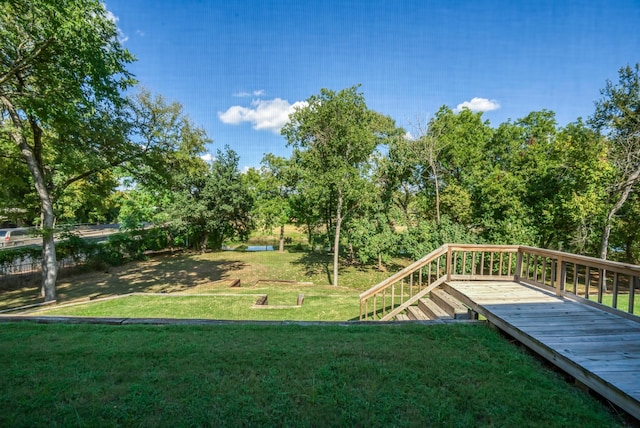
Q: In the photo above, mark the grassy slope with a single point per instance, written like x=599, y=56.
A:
x=252, y=375
x=183, y=272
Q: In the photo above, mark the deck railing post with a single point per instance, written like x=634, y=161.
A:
x=449, y=263
x=518, y=273
x=559, y=277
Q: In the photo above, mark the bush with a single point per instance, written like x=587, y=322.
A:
x=74, y=250
x=422, y=239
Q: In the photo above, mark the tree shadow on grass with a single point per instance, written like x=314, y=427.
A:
x=160, y=274
x=316, y=264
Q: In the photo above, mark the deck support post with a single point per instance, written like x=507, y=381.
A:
x=559, y=277
x=518, y=273
x=449, y=264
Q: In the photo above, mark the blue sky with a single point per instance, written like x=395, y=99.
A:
x=238, y=67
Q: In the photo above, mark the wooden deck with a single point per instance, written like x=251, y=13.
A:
x=598, y=348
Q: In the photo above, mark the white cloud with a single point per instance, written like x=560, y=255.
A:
x=478, y=104
x=409, y=136
x=122, y=38
x=244, y=94
x=140, y=33
x=111, y=17
x=208, y=157
x=264, y=115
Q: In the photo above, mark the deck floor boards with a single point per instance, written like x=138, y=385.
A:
x=598, y=348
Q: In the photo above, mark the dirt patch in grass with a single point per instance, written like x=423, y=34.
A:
x=161, y=274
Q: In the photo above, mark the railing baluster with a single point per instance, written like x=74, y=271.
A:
x=587, y=280
x=411, y=280
x=393, y=296
x=375, y=296
x=481, y=263
x=614, y=302
x=634, y=283
x=509, y=268
x=384, y=302
x=491, y=263
x=420, y=279
x=602, y=284
x=464, y=262
x=429, y=275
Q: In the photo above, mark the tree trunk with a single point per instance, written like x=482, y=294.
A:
x=432, y=153
x=49, y=266
x=310, y=236
x=203, y=244
x=31, y=156
x=336, y=240
x=437, y=186
x=281, y=246
x=604, y=242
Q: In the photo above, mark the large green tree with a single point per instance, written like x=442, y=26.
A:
x=272, y=187
x=214, y=205
x=170, y=146
x=333, y=138
x=617, y=116
x=62, y=72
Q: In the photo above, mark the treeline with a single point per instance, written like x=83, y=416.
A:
x=370, y=191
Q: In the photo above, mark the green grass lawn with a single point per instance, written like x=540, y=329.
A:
x=289, y=375
x=281, y=306
x=623, y=301
x=206, y=273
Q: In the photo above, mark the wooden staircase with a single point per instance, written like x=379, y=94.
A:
x=440, y=305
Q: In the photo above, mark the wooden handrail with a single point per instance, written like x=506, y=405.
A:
x=583, y=271
x=624, y=268
x=404, y=272
x=533, y=266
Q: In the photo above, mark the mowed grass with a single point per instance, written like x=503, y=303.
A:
x=212, y=273
x=281, y=306
x=284, y=375
x=622, y=303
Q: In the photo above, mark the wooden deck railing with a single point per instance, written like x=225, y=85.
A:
x=449, y=262
x=587, y=279
x=584, y=278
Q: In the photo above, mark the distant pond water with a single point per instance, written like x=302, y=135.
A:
x=251, y=248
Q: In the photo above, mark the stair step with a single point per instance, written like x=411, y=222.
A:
x=402, y=317
x=450, y=304
x=414, y=313
x=432, y=310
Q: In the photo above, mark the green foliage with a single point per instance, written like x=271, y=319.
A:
x=428, y=235
x=116, y=250
x=215, y=206
x=62, y=74
x=272, y=188
x=334, y=138
x=12, y=256
x=373, y=238
x=617, y=116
